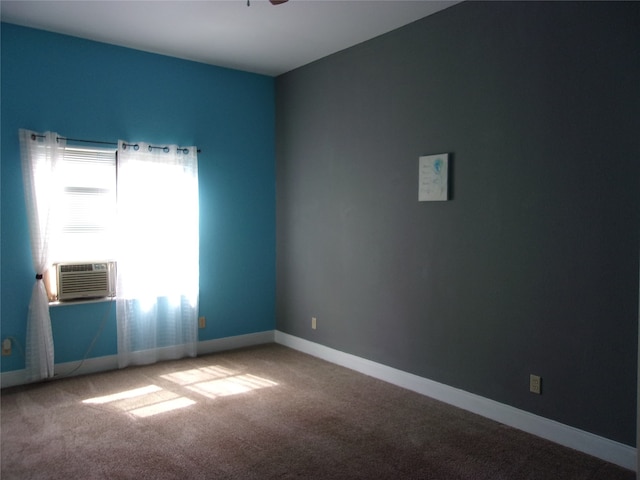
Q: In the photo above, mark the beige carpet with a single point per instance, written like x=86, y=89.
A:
x=261, y=413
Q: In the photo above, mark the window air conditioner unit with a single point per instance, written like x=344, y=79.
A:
x=86, y=280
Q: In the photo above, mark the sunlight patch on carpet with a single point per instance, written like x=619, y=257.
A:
x=230, y=386
x=194, y=375
x=211, y=382
x=216, y=381
x=136, y=392
x=143, y=401
x=162, y=407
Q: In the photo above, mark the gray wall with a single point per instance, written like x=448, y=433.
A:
x=532, y=267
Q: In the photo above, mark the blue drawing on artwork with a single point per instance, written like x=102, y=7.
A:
x=437, y=166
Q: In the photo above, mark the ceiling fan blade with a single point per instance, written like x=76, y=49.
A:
x=278, y=2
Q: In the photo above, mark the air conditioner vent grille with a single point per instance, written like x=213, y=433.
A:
x=84, y=267
x=86, y=280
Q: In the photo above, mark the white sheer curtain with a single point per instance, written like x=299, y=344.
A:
x=41, y=154
x=158, y=277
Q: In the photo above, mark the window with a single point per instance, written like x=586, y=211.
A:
x=84, y=213
x=150, y=226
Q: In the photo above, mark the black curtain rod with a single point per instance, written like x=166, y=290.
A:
x=100, y=142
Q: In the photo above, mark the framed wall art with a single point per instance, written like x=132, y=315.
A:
x=433, y=178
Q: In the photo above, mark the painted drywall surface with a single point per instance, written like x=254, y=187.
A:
x=532, y=266
x=88, y=90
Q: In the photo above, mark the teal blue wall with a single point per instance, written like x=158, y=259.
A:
x=84, y=89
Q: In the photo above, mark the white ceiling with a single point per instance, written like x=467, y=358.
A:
x=260, y=38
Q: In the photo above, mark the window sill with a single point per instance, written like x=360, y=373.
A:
x=64, y=303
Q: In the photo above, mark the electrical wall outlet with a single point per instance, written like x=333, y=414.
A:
x=535, y=384
x=6, y=347
x=202, y=322
x=313, y=322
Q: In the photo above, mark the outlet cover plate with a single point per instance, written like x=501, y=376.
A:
x=535, y=384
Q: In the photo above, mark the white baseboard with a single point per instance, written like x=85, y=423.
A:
x=62, y=370
x=600, y=447
x=110, y=362
x=12, y=378
x=238, y=341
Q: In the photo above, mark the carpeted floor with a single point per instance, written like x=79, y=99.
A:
x=262, y=413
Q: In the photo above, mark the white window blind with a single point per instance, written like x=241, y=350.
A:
x=85, y=214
